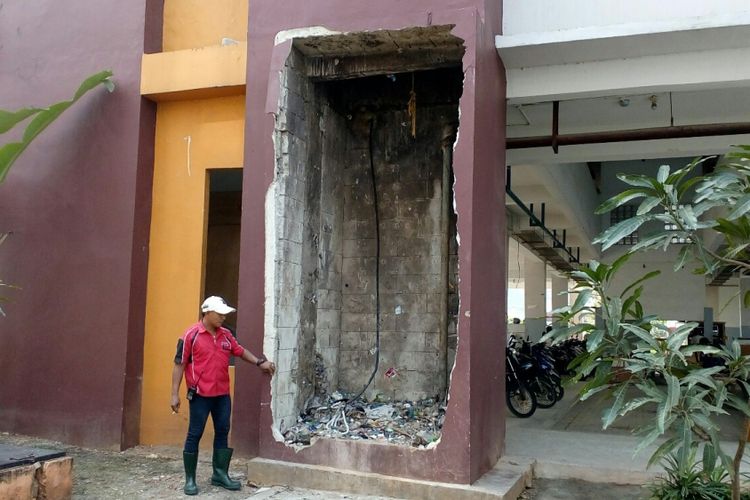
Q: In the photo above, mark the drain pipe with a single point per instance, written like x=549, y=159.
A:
x=449, y=135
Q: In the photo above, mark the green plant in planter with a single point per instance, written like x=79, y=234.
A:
x=40, y=119
x=631, y=351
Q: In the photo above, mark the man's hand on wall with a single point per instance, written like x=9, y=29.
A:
x=268, y=367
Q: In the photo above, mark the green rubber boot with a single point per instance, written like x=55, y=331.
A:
x=191, y=462
x=220, y=477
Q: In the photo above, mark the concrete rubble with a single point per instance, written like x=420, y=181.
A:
x=406, y=423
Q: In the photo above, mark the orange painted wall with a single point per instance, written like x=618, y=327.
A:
x=189, y=24
x=177, y=243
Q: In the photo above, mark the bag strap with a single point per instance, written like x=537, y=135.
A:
x=190, y=358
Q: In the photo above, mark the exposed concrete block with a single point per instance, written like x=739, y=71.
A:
x=414, y=246
x=357, y=322
x=360, y=247
x=329, y=319
x=329, y=299
x=417, y=208
x=429, y=226
x=332, y=279
x=365, y=228
x=363, y=303
x=286, y=359
x=356, y=265
x=288, y=121
x=357, y=284
x=394, y=341
x=349, y=228
x=413, y=283
x=432, y=342
x=401, y=228
x=286, y=206
x=292, y=297
x=434, y=302
x=388, y=211
x=290, y=251
x=288, y=316
x=286, y=383
x=288, y=338
x=321, y=338
x=403, y=303
x=292, y=187
x=389, y=246
x=391, y=284
x=351, y=341
x=417, y=264
x=294, y=102
x=328, y=261
x=350, y=363
x=358, y=175
x=292, y=230
x=290, y=274
x=423, y=361
x=416, y=190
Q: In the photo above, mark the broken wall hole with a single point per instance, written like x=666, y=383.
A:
x=362, y=268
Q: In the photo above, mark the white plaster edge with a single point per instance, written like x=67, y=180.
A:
x=286, y=35
x=270, y=340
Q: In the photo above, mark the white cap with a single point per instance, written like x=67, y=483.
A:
x=216, y=304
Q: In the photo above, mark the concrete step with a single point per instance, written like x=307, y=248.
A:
x=505, y=481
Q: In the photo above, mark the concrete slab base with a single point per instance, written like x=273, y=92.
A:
x=505, y=481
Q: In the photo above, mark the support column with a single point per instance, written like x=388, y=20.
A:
x=535, y=288
x=559, y=287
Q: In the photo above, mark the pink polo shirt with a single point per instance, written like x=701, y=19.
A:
x=206, y=358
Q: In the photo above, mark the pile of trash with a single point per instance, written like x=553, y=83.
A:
x=410, y=423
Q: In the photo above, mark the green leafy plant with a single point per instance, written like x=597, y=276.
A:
x=40, y=119
x=691, y=479
x=630, y=352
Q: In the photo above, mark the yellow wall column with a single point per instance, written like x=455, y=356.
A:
x=191, y=137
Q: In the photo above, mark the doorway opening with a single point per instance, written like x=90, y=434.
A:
x=222, y=255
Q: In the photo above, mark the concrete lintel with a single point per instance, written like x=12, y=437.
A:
x=504, y=482
x=194, y=73
x=700, y=70
x=327, y=68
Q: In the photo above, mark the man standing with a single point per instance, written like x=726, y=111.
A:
x=203, y=354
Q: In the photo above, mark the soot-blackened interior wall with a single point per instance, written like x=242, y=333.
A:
x=329, y=138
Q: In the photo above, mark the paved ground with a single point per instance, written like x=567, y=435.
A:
x=568, y=441
x=573, y=489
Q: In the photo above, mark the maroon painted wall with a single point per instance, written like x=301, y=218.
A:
x=474, y=430
x=78, y=204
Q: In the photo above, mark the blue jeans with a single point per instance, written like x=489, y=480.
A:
x=220, y=408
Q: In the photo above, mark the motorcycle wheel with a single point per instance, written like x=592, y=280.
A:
x=521, y=401
x=545, y=392
x=560, y=391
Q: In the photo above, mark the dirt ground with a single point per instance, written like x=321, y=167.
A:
x=146, y=472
